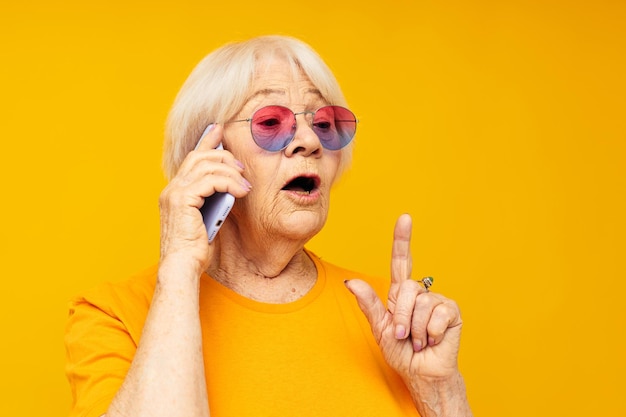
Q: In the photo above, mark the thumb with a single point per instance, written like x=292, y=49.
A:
x=369, y=303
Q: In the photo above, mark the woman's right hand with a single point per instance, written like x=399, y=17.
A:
x=204, y=171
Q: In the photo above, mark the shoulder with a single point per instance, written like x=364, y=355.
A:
x=127, y=301
x=138, y=289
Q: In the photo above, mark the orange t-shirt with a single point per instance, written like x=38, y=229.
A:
x=312, y=357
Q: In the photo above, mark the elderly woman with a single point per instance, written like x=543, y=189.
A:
x=252, y=323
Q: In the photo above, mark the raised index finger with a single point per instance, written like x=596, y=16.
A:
x=401, y=263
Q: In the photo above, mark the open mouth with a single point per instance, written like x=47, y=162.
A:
x=303, y=184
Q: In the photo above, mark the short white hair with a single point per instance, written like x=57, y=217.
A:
x=218, y=86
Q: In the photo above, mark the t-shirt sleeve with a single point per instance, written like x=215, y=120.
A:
x=99, y=352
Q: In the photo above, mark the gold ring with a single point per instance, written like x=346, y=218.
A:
x=427, y=282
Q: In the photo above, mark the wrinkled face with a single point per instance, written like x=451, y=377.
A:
x=290, y=188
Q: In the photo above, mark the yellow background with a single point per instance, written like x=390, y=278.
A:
x=500, y=126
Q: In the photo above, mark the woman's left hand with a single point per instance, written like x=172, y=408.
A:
x=418, y=331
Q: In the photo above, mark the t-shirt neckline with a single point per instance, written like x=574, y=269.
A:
x=276, y=308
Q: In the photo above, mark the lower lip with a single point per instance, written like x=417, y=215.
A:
x=303, y=197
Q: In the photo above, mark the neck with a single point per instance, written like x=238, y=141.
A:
x=272, y=270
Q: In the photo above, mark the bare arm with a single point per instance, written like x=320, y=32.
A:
x=440, y=397
x=166, y=377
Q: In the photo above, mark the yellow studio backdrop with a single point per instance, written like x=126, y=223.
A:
x=500, y=126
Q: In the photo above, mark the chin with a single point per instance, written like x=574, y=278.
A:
x=302, y=225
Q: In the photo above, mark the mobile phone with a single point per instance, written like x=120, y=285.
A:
x=217, y=206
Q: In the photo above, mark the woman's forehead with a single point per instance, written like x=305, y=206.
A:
x=277, y=71
x=282, y=87
x=277, y=80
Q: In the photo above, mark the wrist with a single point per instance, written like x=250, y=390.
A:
x=440, y=396
x=179, y=271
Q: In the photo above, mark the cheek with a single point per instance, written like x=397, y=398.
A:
x=331, y=169
x=261, y=172
x=265, y=185
x=258, y=208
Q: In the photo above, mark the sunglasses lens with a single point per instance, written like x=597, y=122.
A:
x=335, y=126
x=273, y=127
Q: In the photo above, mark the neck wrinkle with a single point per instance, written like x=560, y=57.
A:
x=274, y=274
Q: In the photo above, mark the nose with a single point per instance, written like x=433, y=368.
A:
x=305, y=142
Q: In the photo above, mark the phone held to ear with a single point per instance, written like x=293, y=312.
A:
x=217, y=206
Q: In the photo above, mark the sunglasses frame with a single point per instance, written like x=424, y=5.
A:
x=311, y=123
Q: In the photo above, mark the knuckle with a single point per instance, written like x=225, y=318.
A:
x=170, y=196
x=428, y=296
x=164, y=197
x=412, y=285
x=441, y=311
x=441, y=319
x=449, y=309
